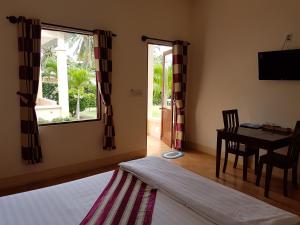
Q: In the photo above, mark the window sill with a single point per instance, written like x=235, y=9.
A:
x=68, y=122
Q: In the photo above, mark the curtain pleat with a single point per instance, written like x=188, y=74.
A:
x=103, y=57
x=179, y=91
x=29, y=44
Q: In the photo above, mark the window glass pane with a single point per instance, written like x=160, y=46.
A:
x=168, y=78
x=67, y=88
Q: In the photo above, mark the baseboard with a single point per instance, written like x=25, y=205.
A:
x=201, y=148
x=212, y=152
x=31, y=178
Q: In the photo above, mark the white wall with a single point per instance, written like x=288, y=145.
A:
x=227, y=34
x=75, y=143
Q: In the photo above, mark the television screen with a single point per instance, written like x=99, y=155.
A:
x=279, y=65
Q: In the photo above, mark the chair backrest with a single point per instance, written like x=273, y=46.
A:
x=231, y=118
x=231, y=121
x=294, y=148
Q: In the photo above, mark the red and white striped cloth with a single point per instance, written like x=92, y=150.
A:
x=125, y=200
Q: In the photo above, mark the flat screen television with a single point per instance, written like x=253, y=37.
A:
x=279, y=65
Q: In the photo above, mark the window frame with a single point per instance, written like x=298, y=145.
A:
x=52, y=27
x=68, y=122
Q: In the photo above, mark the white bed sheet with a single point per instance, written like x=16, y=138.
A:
x=68, y=204
x=218, y=203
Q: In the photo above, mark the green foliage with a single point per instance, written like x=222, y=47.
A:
x=49, y=68
x=78, y=78
x=157, y=83
x=90, y=99
x=90, y=88
x=83, y=46
x=81, y=87
x=47, y=52
x=73, y=96
x=87, y=100
x=170, y=80
x=50, y=91
x=59, y=120
x=49, y=63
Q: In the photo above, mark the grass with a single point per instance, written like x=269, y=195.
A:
x=90, y=113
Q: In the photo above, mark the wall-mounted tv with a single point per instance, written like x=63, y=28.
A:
x=279, y=65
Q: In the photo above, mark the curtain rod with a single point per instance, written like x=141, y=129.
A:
x=145, y=38
x=14, y=20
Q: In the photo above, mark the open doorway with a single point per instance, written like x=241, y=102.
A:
x=160, y=113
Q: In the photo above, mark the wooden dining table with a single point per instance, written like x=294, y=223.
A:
x=254, y=138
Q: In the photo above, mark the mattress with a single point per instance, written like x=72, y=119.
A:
x=211, y=200
x=68, y=204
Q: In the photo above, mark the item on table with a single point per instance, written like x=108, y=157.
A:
x=277, y=129
x=251, y=125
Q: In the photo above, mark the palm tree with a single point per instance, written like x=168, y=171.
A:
x=49, y=63
x=49, y=68
x=78, y=79
x=47, y=52
x=83, y=48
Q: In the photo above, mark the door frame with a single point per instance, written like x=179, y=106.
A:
x=162, y=43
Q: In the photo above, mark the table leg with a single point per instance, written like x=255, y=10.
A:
x=245, y=166
x=218, y=155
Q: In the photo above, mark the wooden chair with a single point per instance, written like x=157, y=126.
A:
x=285, y=162
x=231, y=121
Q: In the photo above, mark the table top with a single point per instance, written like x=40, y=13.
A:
x=256, y=133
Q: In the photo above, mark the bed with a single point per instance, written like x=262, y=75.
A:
x=182, y=198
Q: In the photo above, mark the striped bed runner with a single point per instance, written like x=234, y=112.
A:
x=125, y=200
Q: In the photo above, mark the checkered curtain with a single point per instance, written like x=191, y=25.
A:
x=103, y=57
x=179, y=91
x=29, y=43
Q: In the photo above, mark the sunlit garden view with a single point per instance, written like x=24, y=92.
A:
x=158, y=81
x=68, y=87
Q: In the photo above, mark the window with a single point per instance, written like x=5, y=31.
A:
x=67, y=87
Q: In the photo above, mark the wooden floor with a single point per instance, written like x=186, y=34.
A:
x=203, y=165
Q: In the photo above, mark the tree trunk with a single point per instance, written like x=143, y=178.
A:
x=78, y=106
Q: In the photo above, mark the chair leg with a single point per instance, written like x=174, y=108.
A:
x=268, y=179
x=225, y=161
x=259, y=172
x=256, y=161
x=236, y=161
x=294, y=174
x=245, y=167
x=285, y=179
